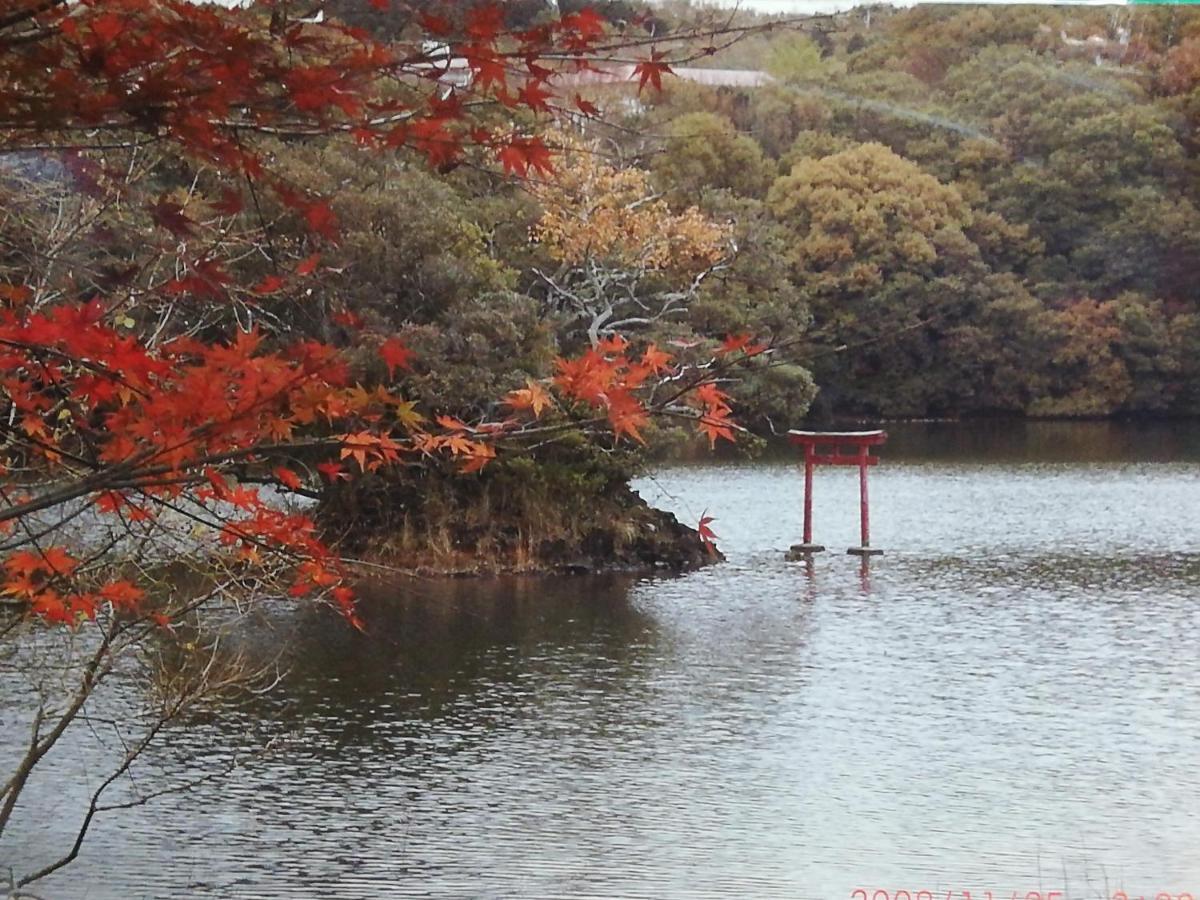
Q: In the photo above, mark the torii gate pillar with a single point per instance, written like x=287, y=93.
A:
x=825, y=448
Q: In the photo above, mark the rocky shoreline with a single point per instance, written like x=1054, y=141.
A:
x=632, y=537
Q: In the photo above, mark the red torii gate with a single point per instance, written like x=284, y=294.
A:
x=825, y=448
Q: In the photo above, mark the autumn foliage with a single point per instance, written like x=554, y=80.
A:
x=594, y=209
x=165, y=388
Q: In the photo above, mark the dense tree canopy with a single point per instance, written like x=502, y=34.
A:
x=971, y=197
x=705, y=151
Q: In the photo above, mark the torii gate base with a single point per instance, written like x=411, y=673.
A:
x=801, y=552
x=832, y=442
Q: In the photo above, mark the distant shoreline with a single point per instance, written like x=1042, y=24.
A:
x=813, y=7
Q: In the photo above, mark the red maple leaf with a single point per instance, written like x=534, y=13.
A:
x=651, y=71
x=436, y=25
x=735, y=342
x=534, y=95
x=512, y=157
x=333, y=471
x=485, y=21
x=707, y=536
x=107, y=27
x=230, y=203
x=343, y=596
x=270, y=284
x=487, y=65
x=395, y=355
x=587, y=23
x=586, y=107
x=520, y=154
x=537, y=154
x=58, y=560
x=347, y=318
x=308, y=265
x=321, y=219
x=169, y=215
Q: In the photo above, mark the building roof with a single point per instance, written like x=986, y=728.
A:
x=455, y=71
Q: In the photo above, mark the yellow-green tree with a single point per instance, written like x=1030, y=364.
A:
x=703, y=151
x=889, y=260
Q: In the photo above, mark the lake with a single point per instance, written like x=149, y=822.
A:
x=1008, y=701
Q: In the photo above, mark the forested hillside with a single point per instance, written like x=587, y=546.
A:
x=936, y=211
x=943, y=211
x=990, y=209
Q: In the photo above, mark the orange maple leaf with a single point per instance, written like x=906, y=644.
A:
x=611, y=345
x=736, y=342
x=656, y=360
x=50, y=606
x=478, y=457
x=533, y=396
x=715, y=427
x=356, y=447
x=627, y=415
x=122, y=594
x=57, y=560
x=287, y=477
x=21, y=584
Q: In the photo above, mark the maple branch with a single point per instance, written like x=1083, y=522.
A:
x=86, y=485
x=34, y=736
x=227, y=525
x=206, y=683
x=33, y=538
x=126, y=762
x=58, y=146
x=92, y=674
x=112, y=477
x=191, y=784
x=18, y=436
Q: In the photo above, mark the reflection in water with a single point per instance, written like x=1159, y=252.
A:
x=864, y=573
x=1006, y=701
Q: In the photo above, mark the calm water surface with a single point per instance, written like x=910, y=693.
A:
x=1008, y=700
